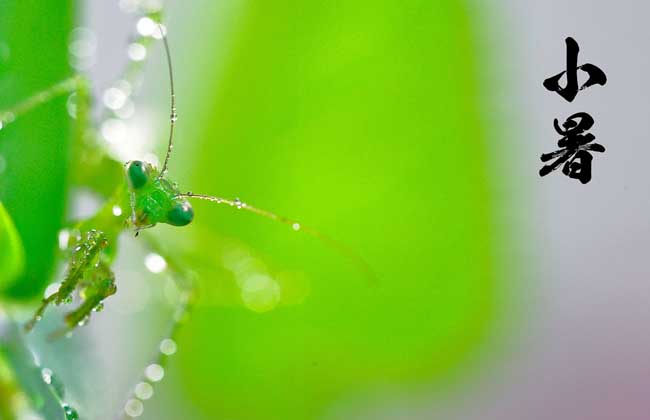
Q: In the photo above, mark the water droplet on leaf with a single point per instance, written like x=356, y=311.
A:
x=70, y=413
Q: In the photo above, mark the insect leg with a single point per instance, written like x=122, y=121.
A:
x=99, y=285
x=39, y=312
x=84, y=260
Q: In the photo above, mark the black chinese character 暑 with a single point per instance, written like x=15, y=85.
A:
x=570, y=91
x=575, y=147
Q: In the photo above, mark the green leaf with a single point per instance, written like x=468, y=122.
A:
x=43, y=390
x=36, y=147
x=361, y=119
x=12, y=253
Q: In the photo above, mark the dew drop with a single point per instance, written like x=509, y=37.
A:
x=50, y=379
x=84, y=321
x=296, y=226
x=99, y=307
x=117, y=210
x=137, y=52
x=155, y=263
x=173, y=117
x=82, y=48
x=146, y=26
x=134, y=407
x=46, y=374
x=114, y=98
x=260, y=293
x=154, y=372
x=168, y=347
x=51, y=289
x=144, y=390
x=70, y=413
x=64, y=238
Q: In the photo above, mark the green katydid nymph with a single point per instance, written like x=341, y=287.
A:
x=145, y=198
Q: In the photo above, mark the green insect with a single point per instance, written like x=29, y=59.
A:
x=145, y=198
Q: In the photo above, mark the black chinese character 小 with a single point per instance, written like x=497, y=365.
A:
x=570, y=91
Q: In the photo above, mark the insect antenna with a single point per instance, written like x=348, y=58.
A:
x=173, y=116
x=339, y=247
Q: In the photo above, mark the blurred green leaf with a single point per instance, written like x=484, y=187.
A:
x=41, y=386
x=361, y=119
x=12, y=254
x=35, y=149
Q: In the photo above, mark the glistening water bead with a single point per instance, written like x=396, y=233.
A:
x=134, y=407
x=143, y=390
x=168, y=347
x=154, y=372
x=70, y=413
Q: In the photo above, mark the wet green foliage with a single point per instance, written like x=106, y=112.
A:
x=40, y=386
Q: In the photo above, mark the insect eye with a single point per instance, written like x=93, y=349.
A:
x=137, y=174
x=181, y=214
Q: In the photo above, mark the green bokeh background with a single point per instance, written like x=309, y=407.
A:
x=362, y=119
